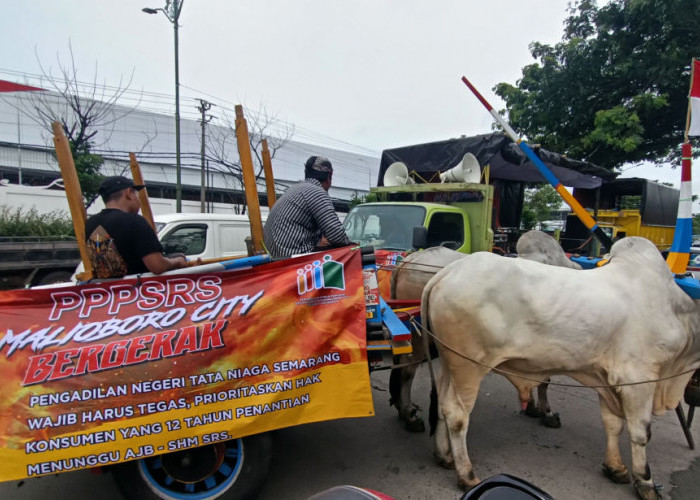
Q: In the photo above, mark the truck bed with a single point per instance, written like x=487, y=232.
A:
x=19, y=254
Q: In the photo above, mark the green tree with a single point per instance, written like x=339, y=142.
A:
x=538, y=205
x=87, y=166
x=696, y=224
x=363, y=198
x=614, y=90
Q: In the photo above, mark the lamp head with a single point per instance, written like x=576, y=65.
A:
x=148, y=10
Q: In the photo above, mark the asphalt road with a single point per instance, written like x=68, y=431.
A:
x=377, y=453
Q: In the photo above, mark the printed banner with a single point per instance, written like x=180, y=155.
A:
x=102, y=373
x=386, y=262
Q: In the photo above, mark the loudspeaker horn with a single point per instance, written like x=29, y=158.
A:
x=468, y=170
x=397, y=175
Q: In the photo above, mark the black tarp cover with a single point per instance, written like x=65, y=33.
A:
x=507, y=161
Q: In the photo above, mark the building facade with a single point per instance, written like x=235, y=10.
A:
x=27, y=157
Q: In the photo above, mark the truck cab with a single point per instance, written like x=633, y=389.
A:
x=389, y=226
x=454, y=215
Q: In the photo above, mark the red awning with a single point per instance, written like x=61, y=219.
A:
x=6, y=86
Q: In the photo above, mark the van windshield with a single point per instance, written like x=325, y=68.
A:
x=384, y=226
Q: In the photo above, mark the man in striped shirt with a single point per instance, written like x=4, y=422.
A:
x=303, y=219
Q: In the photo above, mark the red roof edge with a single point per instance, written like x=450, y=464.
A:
x=6, y=86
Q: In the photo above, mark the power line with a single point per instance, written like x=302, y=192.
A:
x=162, y=103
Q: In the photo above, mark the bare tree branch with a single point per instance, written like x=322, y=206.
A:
x=223, y=149
x=82, y=109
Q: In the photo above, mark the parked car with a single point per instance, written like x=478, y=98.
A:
x=694, y=262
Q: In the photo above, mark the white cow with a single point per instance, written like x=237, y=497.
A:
x=612, y=326
x=540, y=247
x=409, y=280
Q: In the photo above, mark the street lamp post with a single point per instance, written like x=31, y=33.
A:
x=172, y=12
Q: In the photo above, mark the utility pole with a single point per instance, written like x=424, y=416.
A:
x=172, y=11
x=203, y=107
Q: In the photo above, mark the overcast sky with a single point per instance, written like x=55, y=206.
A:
x=361, y=75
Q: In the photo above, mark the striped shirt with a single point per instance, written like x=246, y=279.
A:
x=299, y=218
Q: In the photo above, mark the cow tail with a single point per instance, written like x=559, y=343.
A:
x=427, y=327
x=395, y=379
x=433, y=411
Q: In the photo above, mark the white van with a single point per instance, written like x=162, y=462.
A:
x=203, y=235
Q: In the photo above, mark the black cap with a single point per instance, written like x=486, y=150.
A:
x=113, y=184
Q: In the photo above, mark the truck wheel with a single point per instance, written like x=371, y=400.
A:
x=55, y=277
x=231, y=470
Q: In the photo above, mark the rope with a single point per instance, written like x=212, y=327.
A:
x=417, y=326
x=582, y=244
x=411, y=266
x=397, y=366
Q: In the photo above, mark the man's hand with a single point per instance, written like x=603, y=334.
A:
x=178, y=261
x=157, y=263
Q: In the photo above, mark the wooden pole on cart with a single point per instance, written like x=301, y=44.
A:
x=143, y=194
x=251, y=190
x=269, y=178
x=73, y=193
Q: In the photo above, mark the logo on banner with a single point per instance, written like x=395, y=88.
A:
x=393, y=258
x=318, y=276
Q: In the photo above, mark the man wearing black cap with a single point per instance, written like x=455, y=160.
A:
x=119, y=240
x=303, y=219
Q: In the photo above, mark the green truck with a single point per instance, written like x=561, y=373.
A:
x=454, y=215
x=465, y=194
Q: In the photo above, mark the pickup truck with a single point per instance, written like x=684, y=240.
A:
x=33, y=261
x=203, y=235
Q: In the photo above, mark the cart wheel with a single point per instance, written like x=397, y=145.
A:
x=231, y=470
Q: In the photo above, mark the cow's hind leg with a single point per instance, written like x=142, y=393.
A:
x=613, y=467
x=637, y=402
x=456, y=405
x=438, y=427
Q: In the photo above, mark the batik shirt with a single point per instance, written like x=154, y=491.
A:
x=117, y=242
